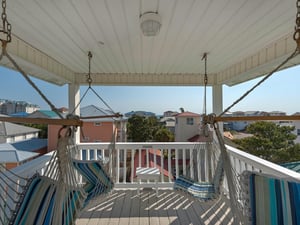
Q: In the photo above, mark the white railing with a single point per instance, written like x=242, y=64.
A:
x=243, y=161
x=173, y=159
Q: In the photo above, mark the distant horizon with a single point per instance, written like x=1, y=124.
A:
x=278, y=93
x=141, y=110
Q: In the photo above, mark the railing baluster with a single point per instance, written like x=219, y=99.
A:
x=124, y=165
x=162, y=165
x=147, y=157
x=88, y=154
x=176, y=163
x=169, y=165
x=132, y=164
x=154, y=157
x=184, y=161
x=118, y=166
x=192, y=163
x=140, y=157
x=199, y=162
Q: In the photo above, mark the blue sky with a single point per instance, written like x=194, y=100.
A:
x=279, y=92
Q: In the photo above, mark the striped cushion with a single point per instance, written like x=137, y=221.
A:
x=272, y=201
x=201, y=190
x=97, y=181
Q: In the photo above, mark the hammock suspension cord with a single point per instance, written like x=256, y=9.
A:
x=211, y=119
x=89, y=80
x=204, y=129
x=205, y=81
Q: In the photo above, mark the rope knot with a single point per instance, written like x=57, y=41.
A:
x=209, y=119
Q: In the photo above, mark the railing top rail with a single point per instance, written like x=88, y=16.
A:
x=143, y=145
x=264, y=165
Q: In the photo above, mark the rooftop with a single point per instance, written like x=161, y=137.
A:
x=9, y=153
x=11, y=129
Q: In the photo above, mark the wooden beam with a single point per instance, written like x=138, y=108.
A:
x=257, y=118
x=99, y=117
x=66, y=122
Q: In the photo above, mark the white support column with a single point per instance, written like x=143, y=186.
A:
x=74, y=98
x=217, y=92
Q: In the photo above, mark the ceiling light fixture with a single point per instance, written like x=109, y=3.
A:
x=150, y=23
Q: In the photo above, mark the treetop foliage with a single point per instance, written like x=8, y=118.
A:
x=143, y=129
x=271, y=141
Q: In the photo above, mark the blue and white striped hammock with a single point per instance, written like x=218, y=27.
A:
x=201, y=190
x=96, y=178
x=271, y=201
x=57, y=196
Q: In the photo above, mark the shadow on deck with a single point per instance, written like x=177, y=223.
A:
x=170, y=207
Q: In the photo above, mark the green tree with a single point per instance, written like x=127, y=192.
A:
x=142, y=129
x=270, y=141
x=163, y=135
x=138, y=129
x=153, y=126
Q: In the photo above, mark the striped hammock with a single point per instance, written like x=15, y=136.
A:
x=96, y=179
x=271, y=201
x=55, y=197
x=201, y=190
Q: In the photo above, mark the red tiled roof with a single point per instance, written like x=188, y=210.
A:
x=200, y=138
x=188, y=114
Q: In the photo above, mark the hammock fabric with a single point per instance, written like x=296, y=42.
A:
x=201, y=190
x=42, y=199
x=97, y=180
x=272, y=201
x=57, y=196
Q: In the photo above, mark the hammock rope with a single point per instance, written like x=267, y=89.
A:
x=233, y=184
x=89, y=80
x=56, y=197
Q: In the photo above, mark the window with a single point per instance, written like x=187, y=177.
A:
x=97, y=124
x=189, y=121
x=298, y=132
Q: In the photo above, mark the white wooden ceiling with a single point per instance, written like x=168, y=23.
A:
x=244, y=39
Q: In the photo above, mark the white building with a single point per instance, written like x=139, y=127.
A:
x=187, y=126
x=8, y=107
x=10, y=132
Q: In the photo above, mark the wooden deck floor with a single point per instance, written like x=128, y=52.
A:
x=170, y=207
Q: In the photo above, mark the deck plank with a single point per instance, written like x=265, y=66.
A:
x=169, y=207
x=134, y=209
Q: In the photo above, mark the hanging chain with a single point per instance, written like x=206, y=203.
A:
x=205, y=80
x=89, y=79
x=6, y=26
x=297, y=27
